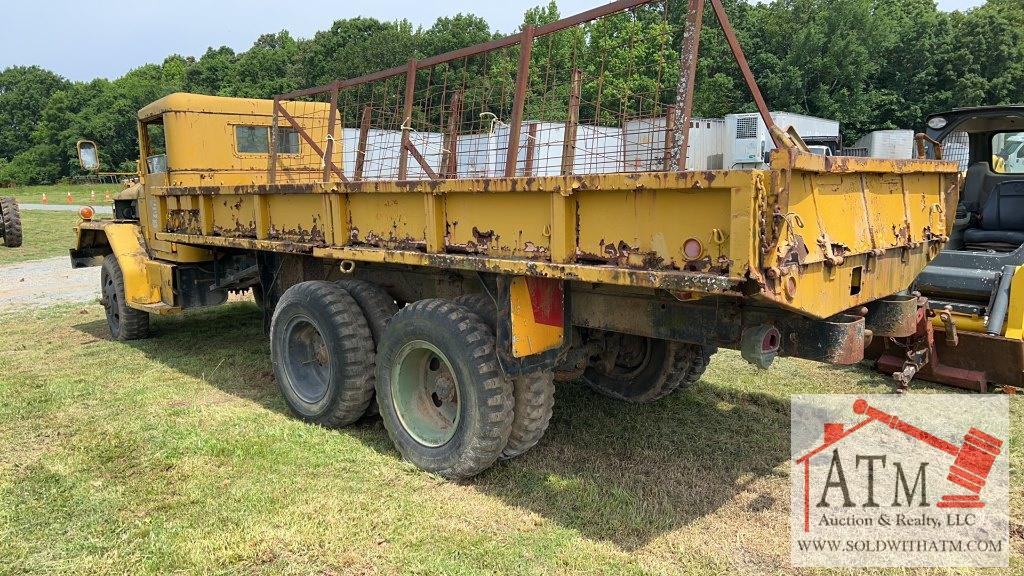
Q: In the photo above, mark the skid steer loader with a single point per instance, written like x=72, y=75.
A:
x=970, y=326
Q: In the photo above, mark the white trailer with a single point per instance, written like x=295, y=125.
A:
x=894, y=144
x=598, y=150
x=644, y=144
x=748, y=138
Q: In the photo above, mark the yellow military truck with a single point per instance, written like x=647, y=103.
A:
x=443, y=248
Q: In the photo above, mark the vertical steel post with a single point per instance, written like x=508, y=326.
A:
x=332, y=120
x=364, y=136
x=522, y=80
x=571, y=125
x=670, y=138
x=272, y=176
x=687, y=79
x=410, y=95
x=450, y=152
x=531, y=149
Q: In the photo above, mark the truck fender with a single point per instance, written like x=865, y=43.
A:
x=147, y=283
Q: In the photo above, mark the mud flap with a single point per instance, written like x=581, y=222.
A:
x=533, y=320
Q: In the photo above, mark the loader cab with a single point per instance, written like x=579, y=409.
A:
x=989, y=145
x=973, y=274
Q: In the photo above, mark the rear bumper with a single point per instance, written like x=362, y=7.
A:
x=727, y=322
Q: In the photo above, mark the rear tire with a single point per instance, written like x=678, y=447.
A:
x=322, y=353
x=648, y=369
x=10, y=222
x=534, y=393
x=378, y=307
x=125, y=323
x=443, y=398
x=534, y=400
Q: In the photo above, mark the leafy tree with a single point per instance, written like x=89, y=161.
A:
x=24, y=92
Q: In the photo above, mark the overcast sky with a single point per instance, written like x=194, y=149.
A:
x=84, y=40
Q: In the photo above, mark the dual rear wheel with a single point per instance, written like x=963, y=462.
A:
x=443, y=398
x=445, y=401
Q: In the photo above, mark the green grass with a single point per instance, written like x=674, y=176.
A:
x=176, y=454
x=46, y=234
x=57, y=194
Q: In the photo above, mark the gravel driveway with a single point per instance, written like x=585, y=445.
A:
x=46, y=282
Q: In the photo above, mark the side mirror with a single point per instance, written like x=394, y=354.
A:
x=88, y=155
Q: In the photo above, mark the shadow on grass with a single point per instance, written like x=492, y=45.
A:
x=609, y=470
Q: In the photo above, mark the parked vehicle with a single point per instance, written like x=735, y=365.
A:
x=456, y=301
x=971, y=330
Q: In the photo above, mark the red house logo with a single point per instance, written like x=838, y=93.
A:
x=913, y=481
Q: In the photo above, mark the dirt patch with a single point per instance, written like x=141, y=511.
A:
x=46, y=282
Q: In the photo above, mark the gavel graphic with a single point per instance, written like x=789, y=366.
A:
x=973, y=461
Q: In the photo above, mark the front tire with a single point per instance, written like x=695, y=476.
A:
x=443, y=398
x=647, y=369
x=10, y=222
x=125, y=323
x=322, y=353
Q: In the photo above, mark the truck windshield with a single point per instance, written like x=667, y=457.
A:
x=155, y=148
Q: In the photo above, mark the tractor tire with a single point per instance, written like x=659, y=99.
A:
x=322, y=352
x=443, y=398
x=534, y=393
x=649, y=369
x=378, y=307
x=10, y=222
x=125, y=323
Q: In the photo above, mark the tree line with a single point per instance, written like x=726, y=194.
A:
x=871, y=64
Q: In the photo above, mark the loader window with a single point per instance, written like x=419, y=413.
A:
x=1008, y=153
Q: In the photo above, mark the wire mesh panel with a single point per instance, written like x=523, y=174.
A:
x=592, y=94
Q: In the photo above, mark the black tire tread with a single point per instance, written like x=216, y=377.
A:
x=534, y=402
x=11, y=222
x=687, y=365
x=357, y=386
x=534, y=394
x=482, y=305
x=378, y=307
x=134, y=323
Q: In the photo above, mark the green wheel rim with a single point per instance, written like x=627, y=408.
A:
x=425, y=394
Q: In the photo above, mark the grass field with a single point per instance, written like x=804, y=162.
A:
x=46, y=234
x=57, y=194
x=176, y=454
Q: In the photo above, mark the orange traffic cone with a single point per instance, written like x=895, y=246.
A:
x=108, y=198
x=69, y=199
x=92, y=196
x=45, y=200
